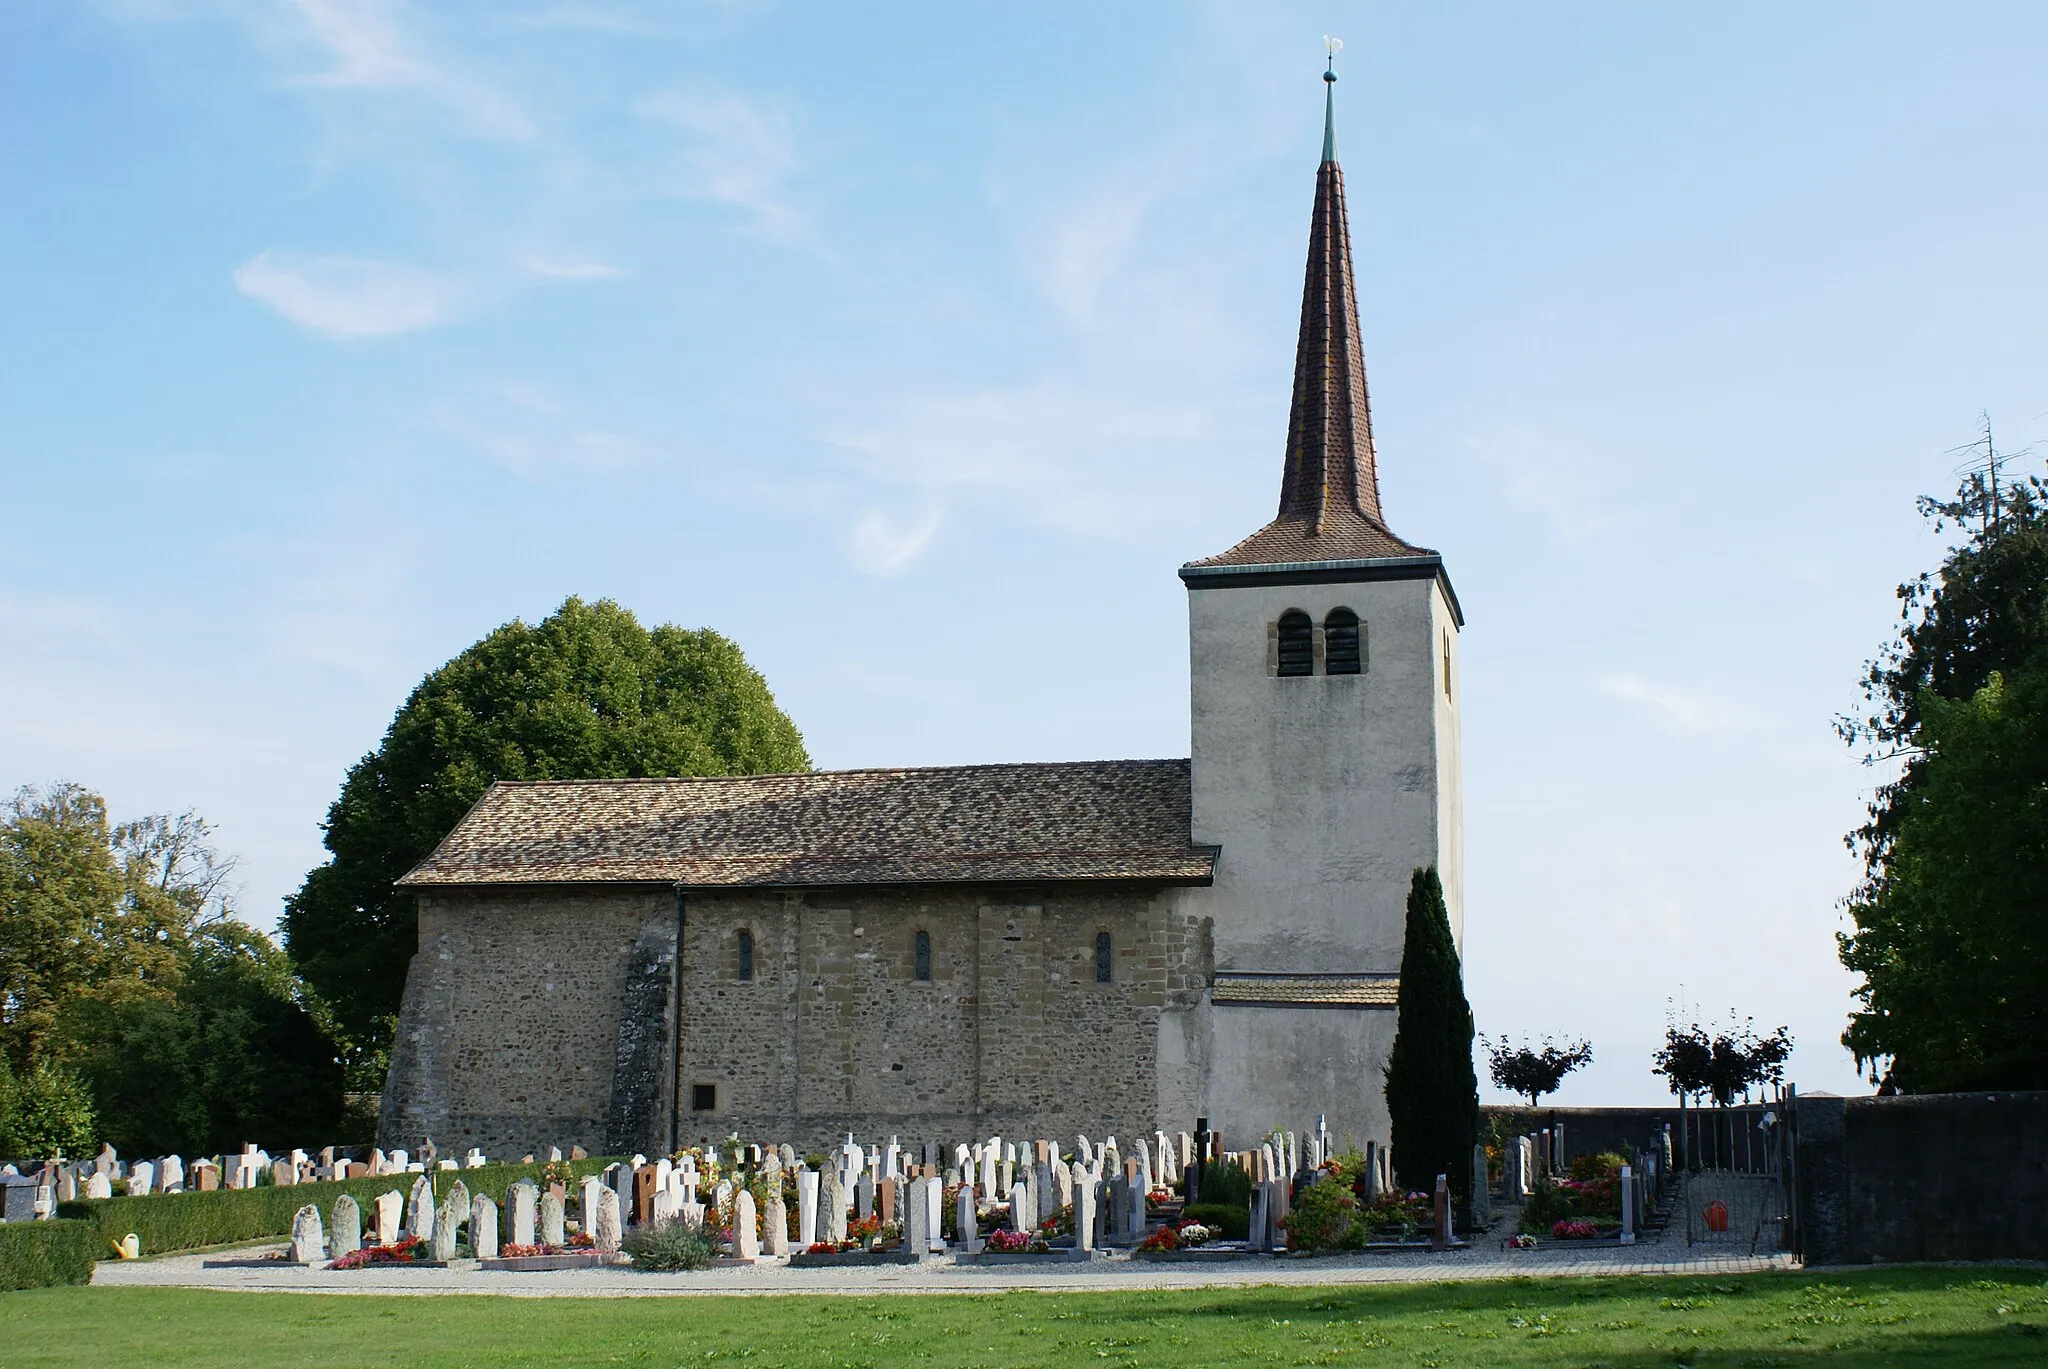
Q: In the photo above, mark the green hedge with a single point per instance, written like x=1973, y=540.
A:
x=170, y=1222
x=39, y=1254
x=1234, y=1222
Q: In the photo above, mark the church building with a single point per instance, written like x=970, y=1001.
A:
x=1100, y=947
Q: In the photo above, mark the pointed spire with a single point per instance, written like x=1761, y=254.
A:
x=1329, y=489
x=1329, y=431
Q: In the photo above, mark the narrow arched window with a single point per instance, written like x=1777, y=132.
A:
x=1297, y=643
x=1342, y=643
x=924, y=957
x=746, y=956
x=1102, y=975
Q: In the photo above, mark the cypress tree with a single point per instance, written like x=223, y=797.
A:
x=1432, y=1091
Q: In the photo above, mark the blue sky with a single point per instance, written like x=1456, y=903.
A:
x=915, y=348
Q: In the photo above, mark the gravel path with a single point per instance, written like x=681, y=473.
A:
x=941, y=1274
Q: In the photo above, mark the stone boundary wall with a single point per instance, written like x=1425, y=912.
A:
x=1944, y=1176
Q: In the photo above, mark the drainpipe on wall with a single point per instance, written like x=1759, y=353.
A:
x=675, y=1083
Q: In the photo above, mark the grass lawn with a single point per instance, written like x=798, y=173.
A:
x=1877, y=1317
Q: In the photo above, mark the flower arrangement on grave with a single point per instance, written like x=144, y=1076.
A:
x=513, y=1251
x=1158, y=1196
x=949, y=1211
x=558, y=1175
x=1396, y=1217
x=861, y=1230
x=581, y=1240
x=1323, y=1217
x=1178, y=1236
x=1060, y=1223
x=1574, y=1230
x=889, y=1236
x=1005, y=1242
x=1522, y=1242
x=821, y=1248
x=401, y=1251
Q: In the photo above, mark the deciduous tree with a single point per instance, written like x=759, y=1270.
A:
x=586, y=693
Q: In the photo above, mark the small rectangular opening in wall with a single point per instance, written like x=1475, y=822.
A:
x=703, y=1097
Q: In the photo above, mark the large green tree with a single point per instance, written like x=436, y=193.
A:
x=1432, y=1088
x=586, y=693
x=1951, y=916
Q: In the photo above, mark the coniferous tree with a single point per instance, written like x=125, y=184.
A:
x=1432, y=1089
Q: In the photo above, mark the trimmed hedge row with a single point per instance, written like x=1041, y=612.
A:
x=41, y=1254
x=168, y=1222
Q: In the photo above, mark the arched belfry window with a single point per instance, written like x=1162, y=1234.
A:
x=1343, y=647
x=1102, y=961
x=746, y=956
x=1297, y=643
x=924, y=957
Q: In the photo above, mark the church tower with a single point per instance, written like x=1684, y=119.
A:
x=1325, y=684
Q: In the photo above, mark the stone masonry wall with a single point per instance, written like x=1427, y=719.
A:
x=1011, y=1034
x=508, y=1036
x=521, y=1026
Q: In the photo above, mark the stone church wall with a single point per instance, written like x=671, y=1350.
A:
x=537, y=1018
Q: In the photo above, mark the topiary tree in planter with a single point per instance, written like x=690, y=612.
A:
x=1432, y=1091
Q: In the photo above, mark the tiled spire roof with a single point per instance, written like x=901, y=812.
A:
x=1329, y=492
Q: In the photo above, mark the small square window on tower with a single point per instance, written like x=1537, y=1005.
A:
x=703, y=1097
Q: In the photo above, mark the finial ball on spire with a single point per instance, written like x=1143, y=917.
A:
x=1331, y=47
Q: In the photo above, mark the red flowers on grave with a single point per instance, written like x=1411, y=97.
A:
x=821, y=1248
x=514, y=1251
x=398, y=1252
x=1009, y=1242
x=1573, y=1231
x=1181, y=1235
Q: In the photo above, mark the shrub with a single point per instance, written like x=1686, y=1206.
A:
x=1224, y=1185
x=1605, y=1165
x=1545, y=1207
x=168, y=1222
x=664, y=1247
x=1323, y=1215
x=1235, y=1223
x=40, y=1254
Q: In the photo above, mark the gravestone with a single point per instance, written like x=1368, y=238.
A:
x=419, y=1210
x=864, y=1195
x=442, y=1244
x=141, y=1179
x=524, y=1198
x=605, y=1234
x=98, y=1185
x=644, y=1189
x=1260, y=1232
x=889, y=1201
x=586, y=1203
x=348, y=1226
x=390, y=1208
x=1084, y=1208
x=1628, y=1205
x=746, y=1231
x=832, y=1205
x=966, y=1227
x=776, y=1219
x=552, y=1219
x=934, y=1212
x=483, y=1227
x=455, y=1208
x=1440, y=1228
x=1482, y=1191
x=1138, y=1220
x=309, y=1245
x=667, y=1206
x=806, y=1206
x=283, y=1174
x=916, y=1221
x=1020, y=1208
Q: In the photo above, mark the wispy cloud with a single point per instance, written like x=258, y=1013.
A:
x=1564, y=480
x=1055, y=455
x=1080, y=246
x=372, y=50
x=347, y=297
x=533, y=432
x=1695, y=711
x=737, y=151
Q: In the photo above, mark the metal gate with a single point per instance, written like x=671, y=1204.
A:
x=1739, y=1174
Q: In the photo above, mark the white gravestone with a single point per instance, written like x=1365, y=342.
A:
x=525, y=1200
x=586, y=1204
x=99, y=1186
x=1084, y=1208
x=934, y=1212
x=746, y=1231
x=442, y=1244
x=806, y=1207
x=390, y=1208
x=348, y=1226
x=966, y=1229
x=309, y=1245
x=483, y=1227
x=419, y=1209
x=455, y=1207
x=552, y=1231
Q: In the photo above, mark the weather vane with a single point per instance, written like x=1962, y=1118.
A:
x=1331, y=47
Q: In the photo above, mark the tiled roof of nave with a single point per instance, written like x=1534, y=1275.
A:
x=1055, y=821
